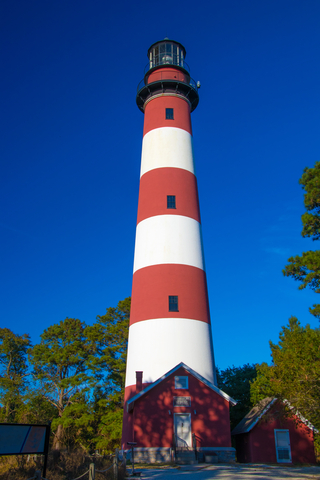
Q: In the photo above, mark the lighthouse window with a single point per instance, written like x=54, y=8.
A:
x=181, y=382
x=171, y=201
x=169, y=113
x=173, y=303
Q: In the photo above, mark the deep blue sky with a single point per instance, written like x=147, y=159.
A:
x=70, y=156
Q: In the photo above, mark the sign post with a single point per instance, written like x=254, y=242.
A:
x=46, y=449
x=132, y=444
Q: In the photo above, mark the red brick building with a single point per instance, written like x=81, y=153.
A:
x=265, y=435
x=183, y=404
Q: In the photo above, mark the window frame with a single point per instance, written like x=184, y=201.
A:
x=177, y=379
x=173, y=302
x=169, y=113
x=171, y=202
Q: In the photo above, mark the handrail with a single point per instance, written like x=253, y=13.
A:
x=175, y=442
x=196, y=439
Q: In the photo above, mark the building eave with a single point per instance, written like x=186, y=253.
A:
x=239, y=429
x=130, y=403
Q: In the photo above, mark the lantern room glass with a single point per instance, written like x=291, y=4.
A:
x=166, y=53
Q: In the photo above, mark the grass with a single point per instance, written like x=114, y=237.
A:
x=61, y=466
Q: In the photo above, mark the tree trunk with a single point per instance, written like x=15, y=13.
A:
x=58, y=438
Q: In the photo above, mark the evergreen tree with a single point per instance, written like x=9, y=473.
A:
x=61, y=368
x=79, y=371
x=295, y=371
x=110, y=336
x=235, y=381
x=305, y=268
x=13, y=373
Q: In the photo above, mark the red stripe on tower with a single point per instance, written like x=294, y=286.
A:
x=155, y=117
x=156, y=185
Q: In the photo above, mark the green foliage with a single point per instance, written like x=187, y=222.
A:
x=36, y=408
x=61, y=366
x=295, y=371
x=235, y=381
x=110, y=413
x=110, y=336
x=80, y=371
x=262, y=387
x=13, y=373
x=311, y=184
x=78, y=374
x=305, y=268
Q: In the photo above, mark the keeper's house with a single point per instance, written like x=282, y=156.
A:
x=180, y=410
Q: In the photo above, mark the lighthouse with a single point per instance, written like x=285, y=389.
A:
x=171, y=396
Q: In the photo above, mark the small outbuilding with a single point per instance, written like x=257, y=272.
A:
x=267, y=435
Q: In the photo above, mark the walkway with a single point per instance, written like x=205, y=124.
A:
x=231, y=472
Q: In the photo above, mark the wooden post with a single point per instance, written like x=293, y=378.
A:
x=46, y=449
x=124, y=460
x=132, y=459
x=92, y=471
x=115, y=465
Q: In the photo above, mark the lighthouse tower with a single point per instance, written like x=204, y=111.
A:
x=170, y=336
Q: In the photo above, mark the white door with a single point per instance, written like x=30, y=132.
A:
x=182, y=429
x=283, y=449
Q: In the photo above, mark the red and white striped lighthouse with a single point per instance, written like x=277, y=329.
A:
x=170, y=319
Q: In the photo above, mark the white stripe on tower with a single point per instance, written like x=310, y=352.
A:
x=168, y=253
x=163, y=341
x=167, y=147
x=162, y=239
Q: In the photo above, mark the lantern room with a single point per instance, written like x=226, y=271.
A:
x=167, y=52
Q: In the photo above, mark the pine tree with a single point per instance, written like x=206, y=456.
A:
x=305, y=268
x=13, y=373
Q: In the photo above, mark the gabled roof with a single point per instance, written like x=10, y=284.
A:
x=257, y=412
x=130, y=403
x=252, y=418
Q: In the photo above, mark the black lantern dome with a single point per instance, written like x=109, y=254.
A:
x=166, y=52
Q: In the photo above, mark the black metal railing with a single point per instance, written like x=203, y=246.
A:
x=167, y=75
x=179, y=444
x=196, y=444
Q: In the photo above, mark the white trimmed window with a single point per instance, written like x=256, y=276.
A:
x=181, y=382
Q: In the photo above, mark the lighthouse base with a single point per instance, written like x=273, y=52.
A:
x=217, y=455
x=168, y=455
x=151, y=455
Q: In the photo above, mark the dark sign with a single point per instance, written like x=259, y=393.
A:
x=24, y=439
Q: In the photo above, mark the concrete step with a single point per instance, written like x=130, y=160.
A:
x=186, y=458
